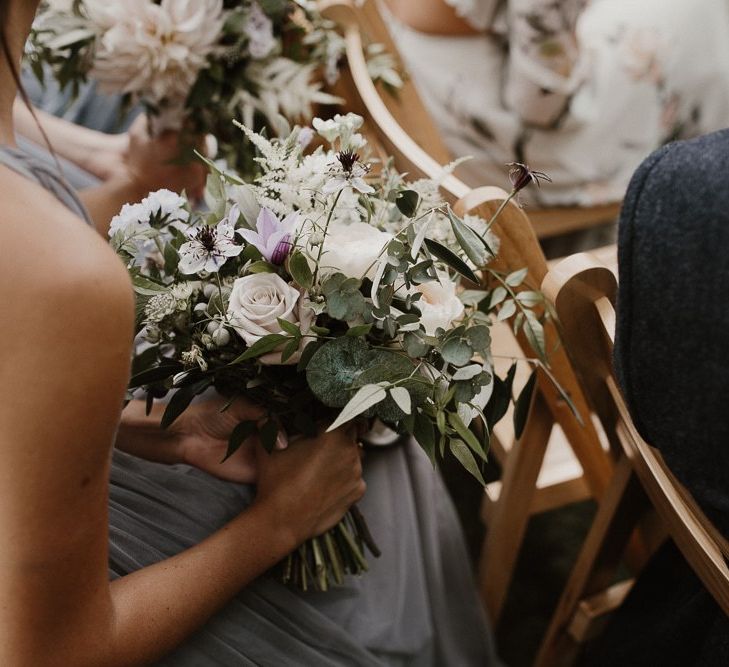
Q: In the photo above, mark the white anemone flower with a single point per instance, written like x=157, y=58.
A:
x=347, y=172
x=209, y=248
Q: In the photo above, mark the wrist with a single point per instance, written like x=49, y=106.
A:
x=284, y=532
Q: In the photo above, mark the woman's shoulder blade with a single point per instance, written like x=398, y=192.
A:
x=46, y=249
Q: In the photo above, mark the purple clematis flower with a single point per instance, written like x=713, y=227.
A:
x=273, y=236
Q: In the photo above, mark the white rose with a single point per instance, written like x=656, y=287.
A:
x=439, y=305
x=352, y=249
x=256, y=304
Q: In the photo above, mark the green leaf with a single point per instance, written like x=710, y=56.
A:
x=534, y=332
x=401, y=396
x=300, y=270
x=468, y=372
x=289, y=327
x=456, y=351
x=460, y=450
x=240, y=434
x=268, y=434
x=473, y=297
x=451, y=259
x=165, y=370
x=182, y=398
x=466, y=434
x=414, y=345
x=507, y=310
x=290, y=349
x=529, y=298
x=424, y=433
x=471, y=242
x=479, y=338
x=407, y=202
x=361, y=330
x=363, y=400
x=497, y=296
x=261, y=267
x=146, y=287
x=523, y=404
x=260, y=347
x=516, y=278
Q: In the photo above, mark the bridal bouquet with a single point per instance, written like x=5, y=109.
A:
x=325, y=294
x=195, y=64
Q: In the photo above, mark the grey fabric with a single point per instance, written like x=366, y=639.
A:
x=90, y=108
x=417, y=607
x=74, y=175
x=672, y=361
x=46, y=174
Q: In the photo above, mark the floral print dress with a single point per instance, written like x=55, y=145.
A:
x=581, y=89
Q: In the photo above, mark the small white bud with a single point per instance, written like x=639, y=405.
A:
x=221, y=336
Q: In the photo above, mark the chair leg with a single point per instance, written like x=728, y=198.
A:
x=623, y=505
x=505, y=531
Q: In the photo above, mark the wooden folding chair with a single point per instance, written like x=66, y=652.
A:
x=407, y=109
x=583, y=293
x=519, y=492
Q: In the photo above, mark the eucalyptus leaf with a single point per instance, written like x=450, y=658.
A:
x=360, y=330
x=468, y=372
x=460, y=450
x=365, y=398
x=466, y=434
x=401, y=396
x=456, y=351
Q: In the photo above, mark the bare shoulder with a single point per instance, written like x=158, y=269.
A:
x=48, y=254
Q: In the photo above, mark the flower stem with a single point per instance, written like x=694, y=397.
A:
x=326, y=230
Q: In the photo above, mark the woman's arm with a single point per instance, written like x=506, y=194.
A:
x=131, y=165
x=67, y=330
x=95, y=152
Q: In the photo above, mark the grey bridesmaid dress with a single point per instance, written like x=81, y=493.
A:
x=416, y=607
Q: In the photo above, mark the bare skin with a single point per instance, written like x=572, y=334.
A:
x=433, y=17
x=66, y=327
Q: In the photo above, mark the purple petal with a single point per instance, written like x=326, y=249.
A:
x=282, y=250
x=267, y=223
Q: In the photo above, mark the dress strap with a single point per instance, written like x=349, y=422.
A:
x=47, y=178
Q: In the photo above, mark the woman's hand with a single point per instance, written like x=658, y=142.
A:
x=154, y=162
x=309, y=486
x=201, y=435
